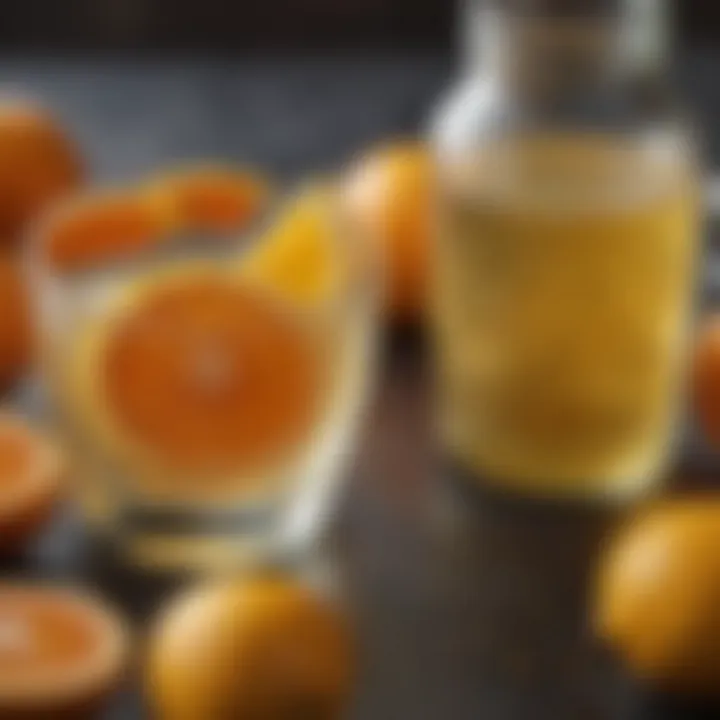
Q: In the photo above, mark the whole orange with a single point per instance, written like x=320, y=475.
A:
x=657, y=594
x=706, y=378
x=387, y=197
x=16, y=334
x=38, y=164
x=263, y=648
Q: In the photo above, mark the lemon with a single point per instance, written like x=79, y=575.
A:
x=300, y=256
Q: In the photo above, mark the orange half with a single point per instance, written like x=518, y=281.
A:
x=16, y=330
x=60, y=652
x=31, y=469
x=208, y=374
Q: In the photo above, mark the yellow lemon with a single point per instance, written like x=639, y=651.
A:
x=300, y=256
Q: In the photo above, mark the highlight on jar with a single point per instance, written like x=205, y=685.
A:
x=207, y=350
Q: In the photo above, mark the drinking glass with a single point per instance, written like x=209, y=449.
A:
x=208, y=412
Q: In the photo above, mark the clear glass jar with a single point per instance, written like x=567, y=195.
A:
x=568, y=223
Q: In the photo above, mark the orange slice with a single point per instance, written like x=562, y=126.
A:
x=60, y=652
x=103, y=227
x=30, y=482
x=207, y=373
x=211, y=198
x=300, y=256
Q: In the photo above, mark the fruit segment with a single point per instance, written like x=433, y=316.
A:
x=300, y=257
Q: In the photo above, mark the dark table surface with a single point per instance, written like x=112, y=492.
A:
x=468, y=606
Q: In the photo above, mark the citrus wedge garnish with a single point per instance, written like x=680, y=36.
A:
x=299, y=257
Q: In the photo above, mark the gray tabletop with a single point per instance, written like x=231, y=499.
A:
x=468, y=607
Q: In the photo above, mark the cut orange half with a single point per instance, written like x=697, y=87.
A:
x=211, y=198
x=208, y=374
x=16, y=330
x=300, y=257
x=31, y=469
x=103, y=227
x=60, y=652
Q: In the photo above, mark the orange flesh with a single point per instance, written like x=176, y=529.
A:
x=213, y=200
x=55, y=646
x=37, y=634
x=16, y=458
x=16, y=335
x=104, y=229
x=211, y=376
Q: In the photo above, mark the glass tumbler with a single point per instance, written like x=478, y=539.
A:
x=208, y=386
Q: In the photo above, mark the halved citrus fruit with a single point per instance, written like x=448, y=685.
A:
x=31, y=469
x=211, y=198
x=60, y=652
x=103, y=227
x=16, y=329
x=264, y=648
x=206, y=373
x=300, y=256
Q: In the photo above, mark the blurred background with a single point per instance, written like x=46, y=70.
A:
x=294, y=85
x=277, y=25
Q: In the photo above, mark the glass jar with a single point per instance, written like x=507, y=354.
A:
x=568, y=225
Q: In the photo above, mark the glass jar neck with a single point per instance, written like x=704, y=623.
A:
x=564, y=43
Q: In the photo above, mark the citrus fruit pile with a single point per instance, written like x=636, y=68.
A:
x=262, y=648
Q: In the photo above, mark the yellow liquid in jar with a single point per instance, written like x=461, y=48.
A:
x=564, y=275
